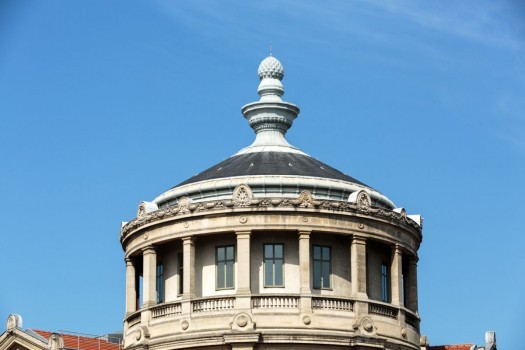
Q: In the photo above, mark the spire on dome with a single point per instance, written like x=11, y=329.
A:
x=270, y=117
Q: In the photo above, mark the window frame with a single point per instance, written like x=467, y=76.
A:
x=321, y=261
x=159, y=282
x=273, y=259
x=225, y=261
x=386, y=294
x=180, y=271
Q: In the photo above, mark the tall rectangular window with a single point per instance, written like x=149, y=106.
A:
x=273, y=265
x=160, y=282
x=385, y=283
x=322, y=266
x=180, y=265
x=225, y=257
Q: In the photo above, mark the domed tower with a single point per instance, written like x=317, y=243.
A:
x=271, y=248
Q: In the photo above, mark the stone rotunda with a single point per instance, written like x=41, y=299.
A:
x=271, y=249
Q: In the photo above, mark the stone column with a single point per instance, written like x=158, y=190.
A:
x=358, y=267
x=188, y=276
x=243, y=282
x=411, y=302
x=396, y=275
x=149, y=295
x=188, y=251
x=131, y=288
x=304, y=272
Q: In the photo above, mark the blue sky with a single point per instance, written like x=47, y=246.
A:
x=104, y=104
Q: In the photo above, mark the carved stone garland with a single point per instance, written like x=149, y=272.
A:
x=243, y=198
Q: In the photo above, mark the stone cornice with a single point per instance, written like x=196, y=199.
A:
x=248, y=203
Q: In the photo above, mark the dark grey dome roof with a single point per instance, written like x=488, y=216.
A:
x=270, y=163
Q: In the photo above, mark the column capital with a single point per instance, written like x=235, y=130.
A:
x=413, y=259
x=358, y=240
x=149, y=250
x=129, y=261
x=243, y=233
x=188, y=240
x=304, y=234
x=396, y=248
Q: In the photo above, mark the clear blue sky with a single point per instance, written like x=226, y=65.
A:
x=104, y=104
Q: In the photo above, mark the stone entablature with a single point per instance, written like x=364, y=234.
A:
x=304, y=203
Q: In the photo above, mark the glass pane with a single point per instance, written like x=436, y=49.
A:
x=278, y=272
x=220, y=254
x=220, y=275
x=268, y=251
x=230, y=253
x=278, y=250
x=268, y=273
x=317, y=274
x=317, y=252
x=326, y=275
x=326, y=253
x=229, y=274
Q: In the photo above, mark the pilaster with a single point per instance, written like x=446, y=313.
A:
x=396, y=275
x=243, y=282
x=149, y=297
x=358, y=267
x=304, y=270
x=412, y=298
x=131, y=288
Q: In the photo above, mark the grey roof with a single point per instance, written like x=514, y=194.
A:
x=270, y=163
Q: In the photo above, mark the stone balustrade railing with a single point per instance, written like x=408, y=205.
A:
x=412, y=319
x=213, y=304
x=341, y=304
x=165, y=310
x=275, y=302
x=133, y=319
x=382, y=310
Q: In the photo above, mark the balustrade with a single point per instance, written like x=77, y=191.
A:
x=412, y=320
x=213, y=304
x=275, y=302
x=332, y=304
x=382, y=310
x=165, y=310
x=134, y=319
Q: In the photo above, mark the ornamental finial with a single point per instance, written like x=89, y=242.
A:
x=270, y=117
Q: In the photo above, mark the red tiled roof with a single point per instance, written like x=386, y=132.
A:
x=72, y=341
x=451, y=347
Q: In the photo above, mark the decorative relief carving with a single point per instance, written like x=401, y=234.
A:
x=305, y=200
x=242, y=322
x=243, y=219
x=363, y=200
x=404, y=332
x=55, y=342
x=184, y=325
x=184, y=205
x=364, y=325
x=307, y=320
x=141, y=333
x=304, y=218
x=242, y=196
x=245, y=200
x=142, y=210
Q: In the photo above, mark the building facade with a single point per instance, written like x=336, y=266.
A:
x=271, y=249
